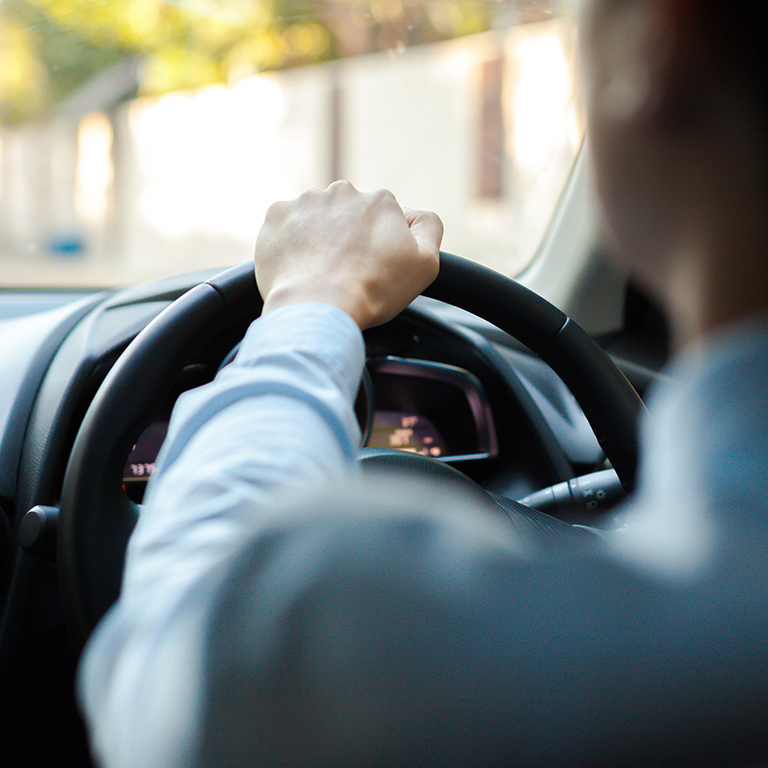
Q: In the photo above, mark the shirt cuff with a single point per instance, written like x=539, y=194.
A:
x=320, y=331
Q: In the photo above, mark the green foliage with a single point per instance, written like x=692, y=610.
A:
x=49, y=48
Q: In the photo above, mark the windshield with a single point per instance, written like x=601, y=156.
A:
x=141, y=138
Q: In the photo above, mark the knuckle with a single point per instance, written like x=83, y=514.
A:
x=383, y=196
x=276, y=212
x=342, y=185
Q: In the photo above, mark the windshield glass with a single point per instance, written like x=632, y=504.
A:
x=141, y=138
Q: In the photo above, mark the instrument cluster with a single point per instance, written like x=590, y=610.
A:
x=433, y=409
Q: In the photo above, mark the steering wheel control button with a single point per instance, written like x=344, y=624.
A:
x=37, y=531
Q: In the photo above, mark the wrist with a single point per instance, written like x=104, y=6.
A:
x=286, y=295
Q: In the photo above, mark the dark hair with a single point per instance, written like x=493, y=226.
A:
x=739, y=35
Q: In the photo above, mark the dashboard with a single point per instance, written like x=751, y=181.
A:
x=438, y=382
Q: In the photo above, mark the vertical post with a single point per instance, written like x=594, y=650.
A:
x=491, y=145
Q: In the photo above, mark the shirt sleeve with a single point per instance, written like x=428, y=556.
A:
x=280, y=416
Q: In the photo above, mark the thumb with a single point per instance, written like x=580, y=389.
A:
x=426, y=228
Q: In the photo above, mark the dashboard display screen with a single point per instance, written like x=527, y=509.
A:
x=406, y=432
x=430, y=408
x=141, y=461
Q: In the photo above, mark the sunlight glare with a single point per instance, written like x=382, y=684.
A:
x=94, y=172
x=204, y=157
x=543, y=101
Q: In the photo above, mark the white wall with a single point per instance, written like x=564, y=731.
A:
x=183, y=181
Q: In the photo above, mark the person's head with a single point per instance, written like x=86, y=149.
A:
x=678, y=114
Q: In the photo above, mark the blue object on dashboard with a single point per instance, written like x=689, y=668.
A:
x=67, y=245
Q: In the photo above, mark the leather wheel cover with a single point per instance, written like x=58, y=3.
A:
x=97, y=517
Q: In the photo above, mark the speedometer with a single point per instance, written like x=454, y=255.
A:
x=430, y=408
x=406, y=432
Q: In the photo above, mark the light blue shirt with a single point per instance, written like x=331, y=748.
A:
x=279, y=419
x=280, y=416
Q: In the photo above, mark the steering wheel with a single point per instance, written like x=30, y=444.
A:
x=96, y=516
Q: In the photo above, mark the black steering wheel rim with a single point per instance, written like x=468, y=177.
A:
x=96, y=517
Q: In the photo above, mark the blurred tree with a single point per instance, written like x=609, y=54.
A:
x=49, y=48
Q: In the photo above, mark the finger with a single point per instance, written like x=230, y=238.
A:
x=427, y=229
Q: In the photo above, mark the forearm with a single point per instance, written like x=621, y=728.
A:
x=270, y=422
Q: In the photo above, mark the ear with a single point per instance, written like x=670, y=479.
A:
x=639, y=57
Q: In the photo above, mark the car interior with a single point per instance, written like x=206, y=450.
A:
x=504, y=383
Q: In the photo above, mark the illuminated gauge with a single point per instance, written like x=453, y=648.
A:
x=430, y=408
x=406, y=432
x=141, y=461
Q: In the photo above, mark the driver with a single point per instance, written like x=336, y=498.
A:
x=275, y=611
